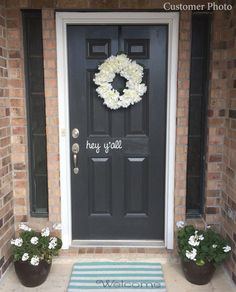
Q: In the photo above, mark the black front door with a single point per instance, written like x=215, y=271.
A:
x=119, y=191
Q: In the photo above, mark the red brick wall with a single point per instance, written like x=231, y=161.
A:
x=216, y=125
x=6, y=193
x=50, y=75
x=182, y=115
x=221, y=149
x=18, y=112
x=227, y=45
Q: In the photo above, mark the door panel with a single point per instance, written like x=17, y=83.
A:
x=100, y=186
x=136, y=186
x=118, y=194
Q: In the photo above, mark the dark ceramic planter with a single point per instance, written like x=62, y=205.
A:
x=32, y=276
x=199, y=275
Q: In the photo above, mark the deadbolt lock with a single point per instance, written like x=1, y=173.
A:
x=75, y=133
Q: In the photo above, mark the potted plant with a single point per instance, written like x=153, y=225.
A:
x=200, y=252
x=33, y=252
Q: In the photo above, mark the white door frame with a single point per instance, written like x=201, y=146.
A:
x=64, y=18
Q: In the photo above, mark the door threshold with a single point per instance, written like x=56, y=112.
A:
x=119, y=243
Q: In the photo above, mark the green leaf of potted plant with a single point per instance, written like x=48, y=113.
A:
x=32, y=253
x=200, y=252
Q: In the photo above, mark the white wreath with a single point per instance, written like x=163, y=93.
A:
x=126, y=68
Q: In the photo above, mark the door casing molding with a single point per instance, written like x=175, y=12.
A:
x=96, y=18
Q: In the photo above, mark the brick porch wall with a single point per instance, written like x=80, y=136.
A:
x=227, y=45
x=182, y=115
x=6, y=188
x=217, y=111
x=216, y=126
x=221, y=161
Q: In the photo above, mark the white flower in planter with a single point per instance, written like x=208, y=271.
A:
x=201, y=237
x=34, y=260
x=34, y=240
x=17, y=242
x=52, y=243
x=226, y=248
x=24, y=227
x=45, y=232
x=180, y=224
x=193, y=240
x=191, y=254
x=214, y=245
x=25, y=257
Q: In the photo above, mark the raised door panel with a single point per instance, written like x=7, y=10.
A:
x=136, y=186
x=99, y=121
x=100, y=192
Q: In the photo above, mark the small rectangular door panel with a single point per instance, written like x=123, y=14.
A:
x=100, y=193
x=119, y=192
x=136, y=186
x=99, y=122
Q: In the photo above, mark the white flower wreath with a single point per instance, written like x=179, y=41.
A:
x=126, y=68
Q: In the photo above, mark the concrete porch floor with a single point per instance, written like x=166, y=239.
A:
x=59, y=276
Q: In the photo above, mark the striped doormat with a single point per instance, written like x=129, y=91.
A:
x=117, y=276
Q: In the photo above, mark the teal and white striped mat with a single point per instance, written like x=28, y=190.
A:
x=116, y=276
